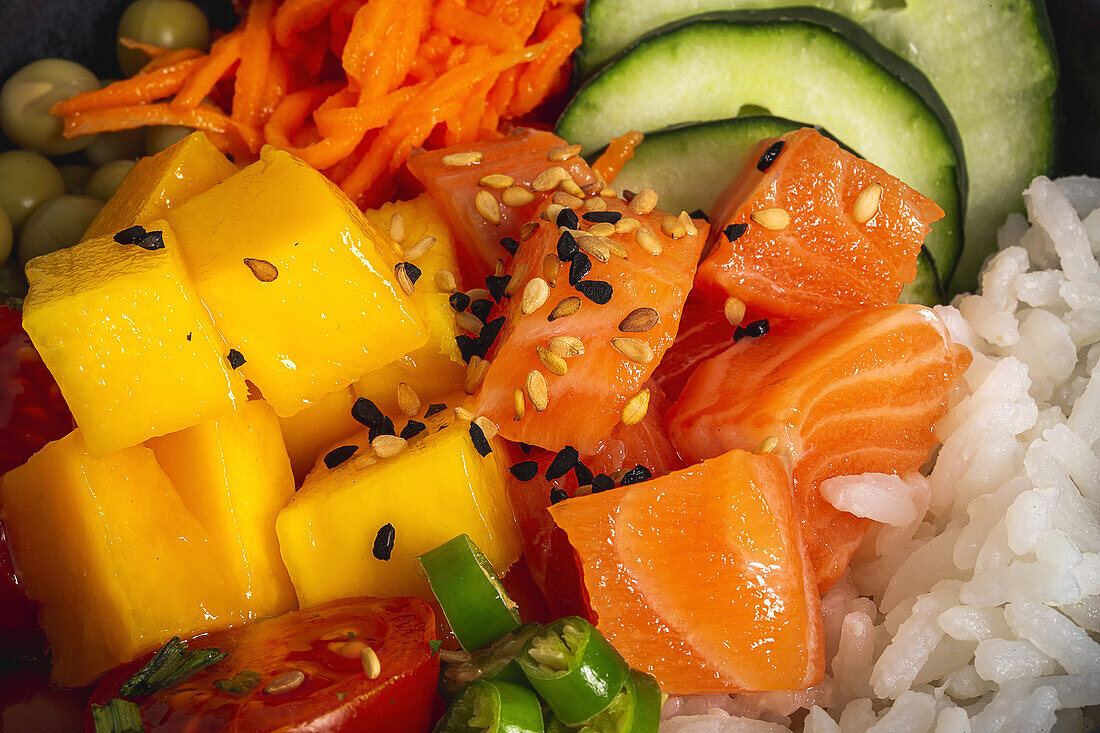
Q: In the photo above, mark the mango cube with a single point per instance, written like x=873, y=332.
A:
x=438, y=487
x=161, y=182
x=297, y=281
x=129, y=342
x=117, y=561
x=436, y=368
x=316, y=427
x=234, y=476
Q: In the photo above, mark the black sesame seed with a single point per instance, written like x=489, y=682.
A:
x=598, y=291
x=734, y=231
x=628, y=195
x=412, y=429
x=510, y=244
x=496, y=285
x=235, y=358
x=151, y=241
x=336, y=456
x=636, y=475
x=700, y=214
x=567, y=218
x=481, y=443
x=769, y=156
x=602, y=217
x=602, y=482
x=386, y=428
x=488, y=335
x=481, y=308
x=557, y=495
x=467, y=345
x=567, y=246
x=366, y=413
x=526, y=448
x=412, y=271
x=579, y=267
x=459, y=301
x=525, y=470
x=583, y=474
x=434, y=409
x=563, y=463
x=383, y=542
x=188, y=337
x=131, y=235
x=756, y=329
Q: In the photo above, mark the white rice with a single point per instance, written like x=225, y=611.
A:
x=975, y=607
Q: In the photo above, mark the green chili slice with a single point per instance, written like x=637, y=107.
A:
x=575, y=670
x=475, y=603
x=493, y=707
x=494, y=662
x=636, y=709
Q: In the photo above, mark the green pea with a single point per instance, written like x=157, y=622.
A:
x=167, y=23
x=26, y=98
x=6, y=236
x=106, y=180
x=163, y=136
x=76, y=176
x=12, y=282
x=26, y=181
x=57, y=224
x=121, y=145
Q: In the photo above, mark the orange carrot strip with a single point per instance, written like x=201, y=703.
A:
x=464, y=24
x=170, y=59
x=127, y=117
x=248, y=88
x=293, y=111
x=277, y=83
x=346, y=97
x=538, y=78
x=337, y=122
x=225, y=52
x=368, y=48
x=137, y=89
x=340, y=21
x=295, y=16
x=619, y=151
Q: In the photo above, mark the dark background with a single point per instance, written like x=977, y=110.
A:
x=83, y=30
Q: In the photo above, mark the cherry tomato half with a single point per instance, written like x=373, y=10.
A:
x=332, y=693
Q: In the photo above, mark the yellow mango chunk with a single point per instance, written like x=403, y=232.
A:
x=296, y=280
x=436, y=368
x=439, y=486
x=234, y=476
x=129, y=342
x=313, y=429
x=109, y=550
x=160, y=182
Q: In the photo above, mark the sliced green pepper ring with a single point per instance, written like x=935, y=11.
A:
x=475, y=603
x=493, y=707
x=495, y=662
x=573, y=668
x=648, y=702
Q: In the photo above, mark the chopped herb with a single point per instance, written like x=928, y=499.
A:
x=700, y=214
x=579, y=267
x=412, y=429
x=496, y=285
x=459, y=301
x=481, y=308
x=434, y=409
x=734, y=231
x=242, y=683
x=235, y=358
x=567, y=246
x=769, y=156
x=337, y=456
x=510, y=245
x=341, y=695
x=567, y=218
x=636, y=475
x=434, y=645
x=583, y=474
x=481, y=443
x=383, y=542
x=563, y=463
x=602, y=482
x=366, y=413
x=598, y=291
x=602, y=217
x=386, y=428
x=525, y=470
x=172, y=664
x=117, y=716
x=557, y=494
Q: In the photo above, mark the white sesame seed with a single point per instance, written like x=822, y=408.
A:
x=487, y=205
x=774, y=219
x=866, y=205
x=471, y=157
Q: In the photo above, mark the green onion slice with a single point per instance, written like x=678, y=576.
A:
x=575, y=670
x=475, y=603
x=493, y=707
x=171, y=665
x=117, y=716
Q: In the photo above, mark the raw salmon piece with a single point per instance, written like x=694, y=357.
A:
x=700, y=578
x=855, y=393
x=790, y=238
x=521, y=155
x=624, y=338
x=704, y=332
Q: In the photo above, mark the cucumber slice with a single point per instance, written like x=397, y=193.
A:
x=803, y=64
x=992, y=62
x=689, y=166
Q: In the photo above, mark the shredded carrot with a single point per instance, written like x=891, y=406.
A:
x=619, y=151
x=350, y=86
